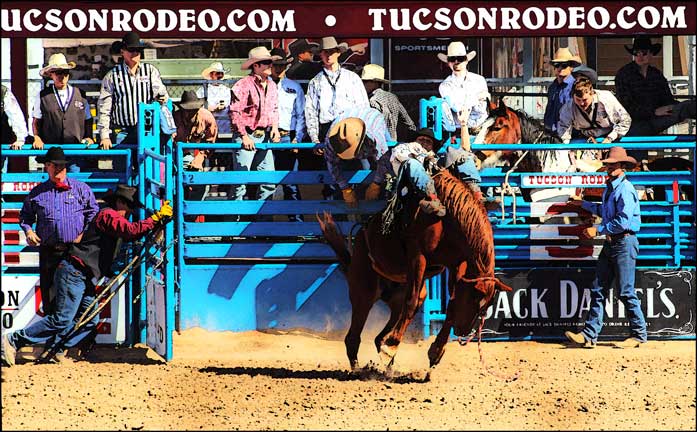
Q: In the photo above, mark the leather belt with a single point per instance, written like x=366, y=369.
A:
x=59, y=247
x=615, y=237
x=283, y=132
x=258, y=132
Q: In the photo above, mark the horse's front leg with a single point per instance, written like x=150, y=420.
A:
x=437, y=348
x=413, y=295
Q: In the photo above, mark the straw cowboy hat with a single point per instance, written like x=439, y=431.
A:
x=329, y=42
x=54, y=155
x=346, y=137
x=585, y=71
x=127, y=193
x=563, y=55
x=619, y=154
x=258, y=54
x=214, y=67
x=643, y=43
x=189, y=101
x=56, y=62
x=284, y=59
x=373, y=72
x=456, y=49
x=302, y=45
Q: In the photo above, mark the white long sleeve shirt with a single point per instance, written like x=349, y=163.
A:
x=612, y=120
x=468, y=92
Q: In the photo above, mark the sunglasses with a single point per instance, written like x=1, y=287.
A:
x=457, y=59
x=561, y=65
x=219, y=74
x=642, y=52
x=61, y=72
x=264, y=62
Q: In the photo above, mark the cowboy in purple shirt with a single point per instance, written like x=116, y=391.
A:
x=61, y=208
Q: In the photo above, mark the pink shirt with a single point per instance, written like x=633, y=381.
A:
x=252, y=106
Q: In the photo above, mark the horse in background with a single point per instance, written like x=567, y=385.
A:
x=392, y=267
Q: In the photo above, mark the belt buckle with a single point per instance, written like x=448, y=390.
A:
x=258, y=133
x=284, y=133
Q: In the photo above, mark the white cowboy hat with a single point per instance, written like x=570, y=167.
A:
x=564, y=55
x=329, y=42
x=456, y=49
x=373, y=72
x=56, y=61
x=258, y=54
x=214, y=67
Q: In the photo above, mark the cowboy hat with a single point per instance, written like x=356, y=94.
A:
x=54, y=155
x=643, y=43
x=585, y=71
x=214, y=67
x=284, y=59
x=563, y=55
x=456, y=49
x=258, y=54
x=126, y=193
x=619, y=154
x=428, y=132
x=132, y=40
x=346, y=137
x=189, y=101
x=329, y=42
x=373, y=72
x=56, y=61
x=302, y=45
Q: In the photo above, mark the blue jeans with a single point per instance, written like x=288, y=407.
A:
x=287, y=160
x=414, y=174
x=617, y=259
x=253, y=160
x=74, y=293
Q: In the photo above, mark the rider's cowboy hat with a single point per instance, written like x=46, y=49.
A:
x=428, y=132
x=373, y=72
x=127, y=193
x=456, y=49
x=586, y=72
x=189, y=101
x=302, y=45
x=214, y=67
x=563, y=55
x=643, y=43
x=284, y=59
x=56, y=62
x=346, y=137
x=329, y=42
x=54, y=155
x=258, y=54
x=619, y=154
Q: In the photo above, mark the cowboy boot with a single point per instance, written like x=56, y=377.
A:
x=432, y=205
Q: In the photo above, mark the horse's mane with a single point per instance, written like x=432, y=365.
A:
x=532, y=131
x=471, y=217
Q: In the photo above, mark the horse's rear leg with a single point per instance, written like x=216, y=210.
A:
x=359, y=314
x=395, y=302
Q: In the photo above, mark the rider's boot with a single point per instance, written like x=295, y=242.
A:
x=432, y=205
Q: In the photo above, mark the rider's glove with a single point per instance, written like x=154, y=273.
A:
x=350, y=197
x=165, y=211
x=373, y=192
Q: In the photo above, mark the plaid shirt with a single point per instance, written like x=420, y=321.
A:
x=252, y=105
x=392, y=109
x=641, y=96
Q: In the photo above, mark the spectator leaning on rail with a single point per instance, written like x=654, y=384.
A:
x=559, y=91
x=13, y=127
x=79, y=270
x=123, y=87
x=387, y=103
x=462, y=90
x=61, y=208
x=356, y=140
x=254, y=117
x=61, y=113
x=291, y=123
x=621, y=220
x=645, y=94
x=594, y=113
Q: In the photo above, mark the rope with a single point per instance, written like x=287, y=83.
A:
x=487, y=368
x=506, y=187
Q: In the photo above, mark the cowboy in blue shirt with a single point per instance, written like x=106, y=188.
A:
x=621, y=221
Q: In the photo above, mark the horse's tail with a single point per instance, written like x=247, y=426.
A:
x=335, y=239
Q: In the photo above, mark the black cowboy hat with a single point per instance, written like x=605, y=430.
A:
x=284, y=58
x=189, y=101
x=428, y=132
x=126, y=193
x=301, y=45
x=54, y=155
x=643, y=43
x=132, y=40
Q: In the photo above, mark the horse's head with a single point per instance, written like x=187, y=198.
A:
x=502, y=125
x=470, y=298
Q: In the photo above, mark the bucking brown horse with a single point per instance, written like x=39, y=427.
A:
x=392, y=267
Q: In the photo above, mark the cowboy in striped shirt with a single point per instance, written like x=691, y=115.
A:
x=123, y=87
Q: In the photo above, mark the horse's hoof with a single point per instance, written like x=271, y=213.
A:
x=387, y=354
x=435, y=356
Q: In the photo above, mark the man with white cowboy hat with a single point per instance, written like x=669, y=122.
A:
x=559, y=91
x=254, y=117
x=373, y=77
x=621, y=220
x=61, y=113
x=645, y=93
x=217, y=95
x=462, y=89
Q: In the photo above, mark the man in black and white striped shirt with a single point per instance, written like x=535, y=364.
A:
x=123, y=87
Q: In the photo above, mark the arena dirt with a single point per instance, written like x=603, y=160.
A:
x=296, y=381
